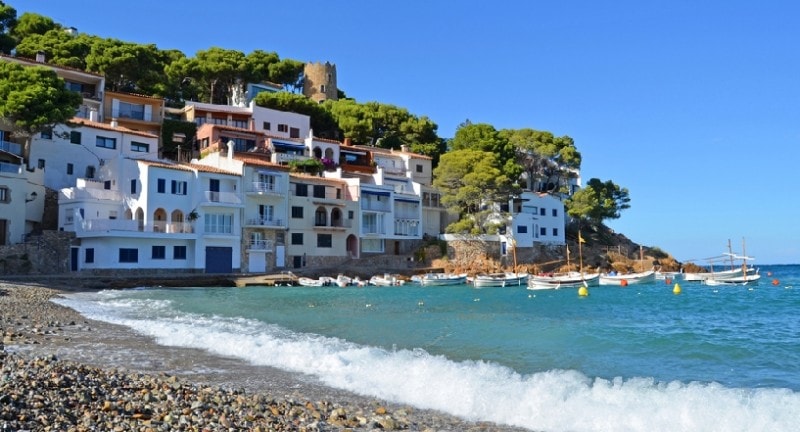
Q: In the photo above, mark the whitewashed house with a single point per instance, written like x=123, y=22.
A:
x=538, y=218
x=21, y=194
x=155, y=215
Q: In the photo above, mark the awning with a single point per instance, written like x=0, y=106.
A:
x=286, y=145
x=380, y=193
x=407, y=200
x=353, y=152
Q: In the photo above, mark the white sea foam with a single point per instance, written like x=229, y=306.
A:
x=556, y=400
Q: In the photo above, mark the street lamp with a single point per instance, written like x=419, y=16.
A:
x=33, y=197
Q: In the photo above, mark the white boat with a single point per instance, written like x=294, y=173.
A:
x=500, y=280
x=628, y=278
x=386, y=280
x=750, y=279
x=308, y=282
x=439, y=279
x=733, y=272
x=563, y=280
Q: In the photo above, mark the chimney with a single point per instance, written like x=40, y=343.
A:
x=93, y=116
x=114, y=123
x=40, y=57
x=404, y=148
x=230, y=149
x=347, y=141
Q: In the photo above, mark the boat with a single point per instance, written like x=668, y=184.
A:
x=308, y=282
x=732, y=272
x=500, y=280
x=749, y=279
x=438, y=279
x=627, y=278
x=386, y=280
x=563, y=280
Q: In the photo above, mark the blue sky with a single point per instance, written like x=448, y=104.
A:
x=693, y=106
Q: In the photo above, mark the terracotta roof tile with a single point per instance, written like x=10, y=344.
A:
x=107, y=126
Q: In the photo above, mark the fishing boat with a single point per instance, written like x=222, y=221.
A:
x=308, y=282
x=386, y=280
x=500, y=280
x=439, y=279
x=732, y=272
x=627, y=278
x=563, y=280
x=749, y=279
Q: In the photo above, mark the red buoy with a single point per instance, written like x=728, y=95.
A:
x=623, y=282
x=775, y=282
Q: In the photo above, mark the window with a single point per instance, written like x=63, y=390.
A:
x=555, y=212
x=90, y=172
x=372, y=245
x=133, y=186
x=69, y=169
x=555, y=232
x=218, y=223
x=75, y=137
x=319, y=191
x=128, y=255
x=543, y=231
x=88, y=256
x=139, y=147
x=161, y=186
x=324, y=240
x=4, y=195
x=242, y=124
x=159, y=252
x=301, y=189
x=297, y=212
x=350, y=214
x=522, y=229
x=179, y=252
x=132, y=111
x=109, y=143
x=283, y=128
x=112, y=214
x=178, y=187
x=542, y=211
x=267, y=126
x=47, y=134
x=294, y=133
x=41, y=164
x=107, y=185
x=320, y=217
x=297, y=238
x=322, y=88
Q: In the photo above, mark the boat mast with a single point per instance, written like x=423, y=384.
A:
x=730, y=253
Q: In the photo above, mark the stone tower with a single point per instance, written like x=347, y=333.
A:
x=319, y=81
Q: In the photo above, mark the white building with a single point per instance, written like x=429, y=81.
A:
x=155, y=215
x=538, y=219
x=21, y=194
x=67, y=154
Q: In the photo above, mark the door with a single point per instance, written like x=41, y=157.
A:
x=74, y=253
x=213, y=187
x=297, y=261
x=219, y=259
x=280, y=256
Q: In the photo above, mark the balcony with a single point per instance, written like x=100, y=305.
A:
x=378, y=206
x=214, y=197
x=10, y=168
x=266, y=222
x=371, y=229
x=285, y=158
x=91, y=193
x=260, y=245
x=264, y=188
x=334, y=226
x=11, y=147
x=133, y=225
x=407, y=227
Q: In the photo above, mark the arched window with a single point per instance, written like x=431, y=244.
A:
x=320, y=217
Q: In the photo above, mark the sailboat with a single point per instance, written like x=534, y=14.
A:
x=629, y=278
x=506, y=279
x=570, y=279
x=744, y=277
x=719, y=275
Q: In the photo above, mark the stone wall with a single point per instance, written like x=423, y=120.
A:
x=42, y=254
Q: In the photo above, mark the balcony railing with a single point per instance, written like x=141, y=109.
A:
x=373, y=229
x=11, y=147
x=221, y=197
x=335, y=224
x=92, y=193
x=375, y=206
x=266, y=222
x=264, y=187
x=133, y=225
x=10, y=168
x=260, y=245
x=284, y=158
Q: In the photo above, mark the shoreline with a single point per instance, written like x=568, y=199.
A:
x=40, y=337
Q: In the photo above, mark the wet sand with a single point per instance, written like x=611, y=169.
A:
x=39, y=335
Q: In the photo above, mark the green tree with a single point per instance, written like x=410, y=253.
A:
x=31, y=24
x=33, y=99
x=484, y=137
x=8, y=20
x=127, y=66
x=472, y=184
x=287, y=72
x=60, y=48
x=544, y=158
x=598, y=201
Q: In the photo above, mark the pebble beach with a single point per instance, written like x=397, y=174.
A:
x=62, y=372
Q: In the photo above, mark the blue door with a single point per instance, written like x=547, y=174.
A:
x=219, y=259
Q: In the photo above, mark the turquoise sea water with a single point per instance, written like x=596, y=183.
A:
x=638, y=358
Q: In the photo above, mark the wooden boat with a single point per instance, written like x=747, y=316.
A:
x=733, y=272
x=628, y=278
x=563, y=280
x=500, y=280
x=750, y=279
x=439, y=279
x=308, y=282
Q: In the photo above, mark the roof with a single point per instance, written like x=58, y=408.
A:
x=392, y=151
x=230, y=128
x=258, y=160
x=107, y=126
x=186, y=167
x=134, y=94
x=301, y=176
x=33, y=62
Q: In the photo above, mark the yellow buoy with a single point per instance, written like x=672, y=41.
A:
x=583, y=292
x=677, y=289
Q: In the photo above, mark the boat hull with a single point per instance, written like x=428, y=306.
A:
x=628, y=279
x=441, y=279
x=500, y=280
x=564, y=281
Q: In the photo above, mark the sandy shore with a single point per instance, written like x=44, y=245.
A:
x=61, y=371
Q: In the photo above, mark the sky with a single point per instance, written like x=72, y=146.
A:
x=693, y=106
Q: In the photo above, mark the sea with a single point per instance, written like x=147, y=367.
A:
x=635, y=358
